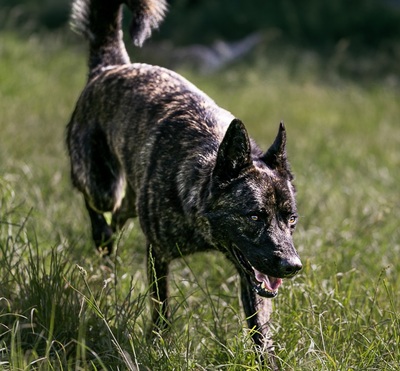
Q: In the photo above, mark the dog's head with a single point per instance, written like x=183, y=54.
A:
x=252, y=209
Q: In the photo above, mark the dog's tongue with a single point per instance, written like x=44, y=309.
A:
x=270, y=283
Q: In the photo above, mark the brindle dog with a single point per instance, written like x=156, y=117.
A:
x=143, y=141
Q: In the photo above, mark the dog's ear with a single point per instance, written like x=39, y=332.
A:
x=275, y=157
x=233, y=153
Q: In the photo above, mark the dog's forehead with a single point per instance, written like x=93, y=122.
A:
x=263, y=187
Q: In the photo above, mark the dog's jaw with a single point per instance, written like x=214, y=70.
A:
x=268, y=286
x=264, y=285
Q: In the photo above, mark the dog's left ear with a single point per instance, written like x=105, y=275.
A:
x=275, y=157
x=234, y=153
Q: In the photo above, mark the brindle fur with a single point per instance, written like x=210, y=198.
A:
x=144, y=142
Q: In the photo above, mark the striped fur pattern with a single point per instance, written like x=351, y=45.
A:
x=144, y=142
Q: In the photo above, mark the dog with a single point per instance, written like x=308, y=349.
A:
x=144, y=142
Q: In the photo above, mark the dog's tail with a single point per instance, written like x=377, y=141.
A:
x=100, y=22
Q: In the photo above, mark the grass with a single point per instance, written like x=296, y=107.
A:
x=63, y=307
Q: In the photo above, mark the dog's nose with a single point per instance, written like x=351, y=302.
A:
x=291, y=266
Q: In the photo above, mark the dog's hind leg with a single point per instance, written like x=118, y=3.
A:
x=97, y=173
x=125, y=211
x=158, y=283
x=102, y=232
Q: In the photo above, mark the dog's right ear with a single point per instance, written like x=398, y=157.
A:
x=276, y=157
x=233, y=153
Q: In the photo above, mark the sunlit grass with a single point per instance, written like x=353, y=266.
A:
x=63, y=307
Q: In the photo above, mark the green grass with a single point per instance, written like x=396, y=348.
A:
x=63, y=307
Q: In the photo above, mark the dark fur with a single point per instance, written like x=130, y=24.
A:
x=145, y=142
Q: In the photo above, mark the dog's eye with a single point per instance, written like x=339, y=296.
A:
x=292, y=220
x=257, y=216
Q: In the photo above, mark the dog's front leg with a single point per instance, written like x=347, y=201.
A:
x=258, y=311
x=158, y=281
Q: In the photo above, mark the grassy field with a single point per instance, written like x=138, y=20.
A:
x=63, y=307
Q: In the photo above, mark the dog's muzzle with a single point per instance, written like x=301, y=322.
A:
x=263, y=284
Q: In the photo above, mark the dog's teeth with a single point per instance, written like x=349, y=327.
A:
x=264, y=287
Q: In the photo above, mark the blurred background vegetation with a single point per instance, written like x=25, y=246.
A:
x=360, y=37
x=311, y=23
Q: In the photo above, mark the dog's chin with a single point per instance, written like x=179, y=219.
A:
x=264, y=285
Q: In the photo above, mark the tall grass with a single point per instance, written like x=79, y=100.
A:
x=64, y=307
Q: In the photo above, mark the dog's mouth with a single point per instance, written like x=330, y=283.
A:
x=264, y=285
